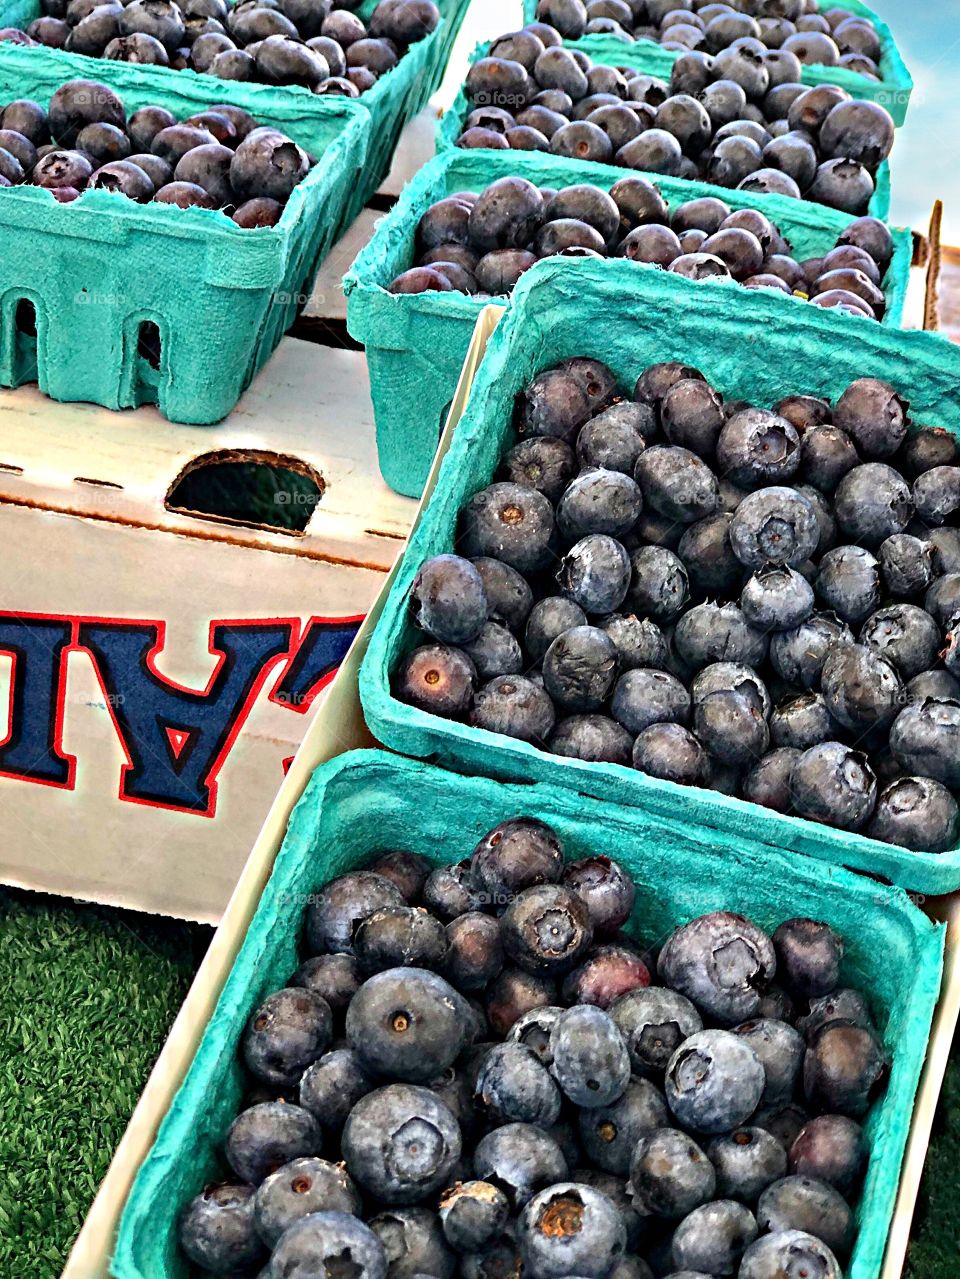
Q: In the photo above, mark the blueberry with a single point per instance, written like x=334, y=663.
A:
x=506, y=216
x=830, y=1148
x=509, y=523
x=28, y=118
x=570, y=1228
x=872, y=413
x=906, y=636
x=580, y=667
x=872, y=503
x=843, y=1004
x=757, y=447
x=673, y=754
x=677, y=483
x=713, y=1081
x=639, y=642
x=515, y=855
x=590, y=1060
x=731, y=726
x=843, y=1068
x=746, y=1160
x=299, y=1188
x=777, y=598
x=917, y=813
x=862, y=690
x=335, y=978
x=325, y=1240
x=607, y=973
x=768, y=782
x=289, y=1030
x=400, y=1142
x=509, y=596
x=437, y=679
x=414, y=1243
x=930, y=447
x=546, y=929
x=184, y=195
x=774, y=526
x=660, y=585
x=404, y=22
x=515, y=992
x=718, y=633
x=449, y=599
x=615, y=438
x=513, y=1086
x=332, y=1086
x=827, y=454
x=520, y=1160
x=495, y=651
x=267, y=163
x=549, y=618
x=400, y=936
x=787, y=1253
x=264, y=1137
x=780, y=1049
x=670, y=1175
x=644, y=697
x=720, y=961
x=714, y=1236
x=942, y=600
x=474, y=953
x=67, y=169
x=605, y=887
x=802, y=722
x=79, y=103
x=833, y=784
x=804, y=1203
x=906, y=564
x=937, y=494
x=542, y=463
x=514, y=706
x=692, y=415
x=938, y=684
x=216, y=1230
x=335, y=913
x=594, y=738
x=848, y=582
x=610, y=1133
x=449, y=891
x=598, y=501
x=473, y=1214
x=595, y=572
x=125, y=178
x=533, y=1028
x=408, y=1023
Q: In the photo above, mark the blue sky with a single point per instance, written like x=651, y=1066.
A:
x=924, y=164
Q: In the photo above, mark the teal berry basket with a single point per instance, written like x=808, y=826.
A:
x=416, y=343
x=368, y=801
x=392, y=102
x=451, y=125
x=629, y=319
x=220, y=297
x=892, y=90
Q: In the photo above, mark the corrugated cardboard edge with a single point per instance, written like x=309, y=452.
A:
x=336, y=727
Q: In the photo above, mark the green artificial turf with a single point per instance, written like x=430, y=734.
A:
x=87, y=996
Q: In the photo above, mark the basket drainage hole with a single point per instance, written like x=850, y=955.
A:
x=148, y=343
x=277, y=492
x=25, y=318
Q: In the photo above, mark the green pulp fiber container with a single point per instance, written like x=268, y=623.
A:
x=631, y=319
x=416, y=343
x=892, y=90
x=388, y=106
x=221, y=297
x=451, y=126
x=368, y=801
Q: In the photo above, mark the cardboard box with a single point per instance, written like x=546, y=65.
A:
x=157, y=666
x=338, y=726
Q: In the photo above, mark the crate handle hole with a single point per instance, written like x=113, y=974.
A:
x=149, y=343
x=260, y=490
x=25, y=318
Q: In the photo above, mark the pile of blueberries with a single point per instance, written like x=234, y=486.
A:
x=294, y=42
x=472, y=1075
x=834, y=38
x=219, y=158
x=740, y=119
x=482, y=244
x=761, y=601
